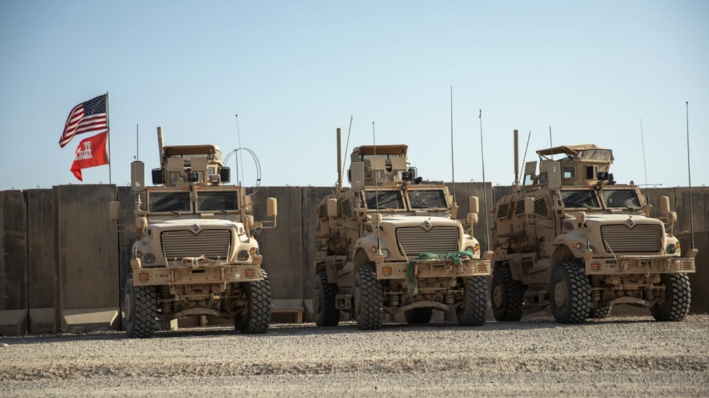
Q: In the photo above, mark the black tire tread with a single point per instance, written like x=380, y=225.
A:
x=476, y=297
x=371, y=311
x=258, y=318
x=144, y=311
x=678, y=298
x=329, y=315
x=579, y=292
x=600, y=313
x=514, y=296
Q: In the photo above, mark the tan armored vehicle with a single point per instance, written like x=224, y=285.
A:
x=195, y=253
x=573, y=236
x=391, y=244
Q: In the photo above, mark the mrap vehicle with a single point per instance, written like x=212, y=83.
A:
x=571, y=237
x=391, y=244
x=195, y=253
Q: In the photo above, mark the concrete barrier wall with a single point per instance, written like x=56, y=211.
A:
x=699, y=281
x=41, y=264
x=87, y=257
x=13, y=263
x=62, y=256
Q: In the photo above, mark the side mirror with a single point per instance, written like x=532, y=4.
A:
x=249, y=221
x=580, y=218
x=247, y=201
x=529, y=206
x=474, y=204
x=332, y=208
x=140, y=224
x=225, y=174
x=664, y=204
x=114, y=210
x=271, y=207
x=157, y=177
x=472, y=218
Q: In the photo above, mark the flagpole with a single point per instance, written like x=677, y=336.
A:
x=108, y=124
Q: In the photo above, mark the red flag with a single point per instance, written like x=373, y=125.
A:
x=91, y=152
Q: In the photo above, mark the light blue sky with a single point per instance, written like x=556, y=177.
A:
x=296, y=70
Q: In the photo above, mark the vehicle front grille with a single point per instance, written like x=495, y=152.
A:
x=212, y=243
x=641, y=239
x=415, y=240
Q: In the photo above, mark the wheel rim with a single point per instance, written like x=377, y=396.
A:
x=560, y=294
x=497, y=296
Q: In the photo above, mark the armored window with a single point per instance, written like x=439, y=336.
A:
x=540, y=208
x=386, y=199
x=429, y=199
x=577, y=198
x=569, y=172
x=224, y=201
x=502, y=210
x=621, y=198
x=169, y=202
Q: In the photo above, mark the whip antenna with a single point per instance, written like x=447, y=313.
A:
x=551, y=145
x=344, y=161
x=524, y=158
x=642, y=140
x=482, y=156
x=238, y=136
x=689, y=172
x=376, y=190
x=452, y=158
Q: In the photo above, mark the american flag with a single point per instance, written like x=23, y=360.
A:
x=85, y=117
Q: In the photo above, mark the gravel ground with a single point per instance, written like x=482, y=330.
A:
x=612, y=357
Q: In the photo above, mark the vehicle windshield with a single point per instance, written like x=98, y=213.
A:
x=434, y=199
x=586, y=199
x=387, y=200
x=224, y=201
x=160, y=202
x=621, y=198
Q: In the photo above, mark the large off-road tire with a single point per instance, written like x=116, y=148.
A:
x=678, y=297
x=570, y=292
x=418, y=316
x=506, y=296
x=473, y=309
x=324, y=301
x=600, y=313
x=368, y=300
x=258, y=307
x=140, y=308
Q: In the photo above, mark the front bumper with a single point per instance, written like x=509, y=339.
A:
x=434, y=269
x=647, y=265
x=160, y=276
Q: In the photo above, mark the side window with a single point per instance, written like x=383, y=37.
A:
x=569, y=172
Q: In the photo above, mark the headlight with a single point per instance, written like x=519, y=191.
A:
x=243, y=255
x=385, y=253
x=253, y=251
x=148, y=258
x=671, y=249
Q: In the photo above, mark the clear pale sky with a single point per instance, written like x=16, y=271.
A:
x=294, y=71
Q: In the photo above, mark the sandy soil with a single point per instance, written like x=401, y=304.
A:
x=612, y=357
